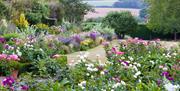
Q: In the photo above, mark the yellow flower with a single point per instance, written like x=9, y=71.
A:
x=86, y=42
x=42, y=26
x=21, y=22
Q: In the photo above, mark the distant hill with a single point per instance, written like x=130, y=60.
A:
x=137, y=4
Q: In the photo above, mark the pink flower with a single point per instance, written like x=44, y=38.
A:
x=114, y=50
x=56, y=56
x=3, y=56
x=119, y=53
x=13, y=57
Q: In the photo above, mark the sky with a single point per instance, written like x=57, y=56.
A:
x=101, y=2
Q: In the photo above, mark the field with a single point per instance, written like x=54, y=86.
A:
x=101, y=12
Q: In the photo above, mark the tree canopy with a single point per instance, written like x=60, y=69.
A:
x=164, y=16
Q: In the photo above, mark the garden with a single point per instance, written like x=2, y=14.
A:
x=37, y=37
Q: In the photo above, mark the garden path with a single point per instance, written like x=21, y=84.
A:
x=99, y=52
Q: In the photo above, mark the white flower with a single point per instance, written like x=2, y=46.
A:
x=171, y=87
x=123, y=83
x=116, y=85
x=137, y=74
x=152, y=62
x=138, y=64
x=82, y=84
x=87, y=74
x=103, y=90
x=165, y=68
x=92, y=76
x=161, y=66
x=102, y=73
x=174, y=54
x=122, y=57
x=135, y=68
x=89, y=65
x=131, y=58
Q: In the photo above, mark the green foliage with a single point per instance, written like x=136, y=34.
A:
x=9, y=36
x=4, y=10
x=37, y=13
x=75, y=10
x=143, y=13
x=87, y=26
x=164, y=16
x=121, y=22
x=105, y=31
x=145, y=33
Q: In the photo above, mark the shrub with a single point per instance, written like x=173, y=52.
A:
x=88, y=26
x=121, y=22
x=37, y=13
x=4, y=10
x=105, y=31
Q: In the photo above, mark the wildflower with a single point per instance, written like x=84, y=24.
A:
x=13, y=57
x=166, y=74
x=105, y=44
x=3, y=56
x=56, y=56
x=130, y=58
x=102, y=73
x=159, y=82
x=93, y=35
x=171, y=87
x=78, y=38
x=82, y=84
x=170, y=78
x=106, y=71
x=2, y=40
x=165, y=68
x=123, y=83
x=24, y=87
x=161, y=66
x=152, y=62
x=137, y=74
x=116, y=85
x=8, y=81
x=114, y=50
x=117, y=79
x=125, y=63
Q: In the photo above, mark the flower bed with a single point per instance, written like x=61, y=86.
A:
x=135, y=65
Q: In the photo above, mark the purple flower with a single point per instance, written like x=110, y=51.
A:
x=78, y=38
x=65, y=40
x=100, y=68
x=117, y=79
x=106, y=71
x=8, y=81
x=24, y=87
x=105, y=44
x=93, y=35
x=170, y=78
x=6, y=46
x=166, y=74
x=159, y=82
x=2, y=40
x=124, y=62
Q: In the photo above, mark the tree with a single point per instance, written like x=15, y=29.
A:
x=164, y=16
x=75, y=10
x=121, y=22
